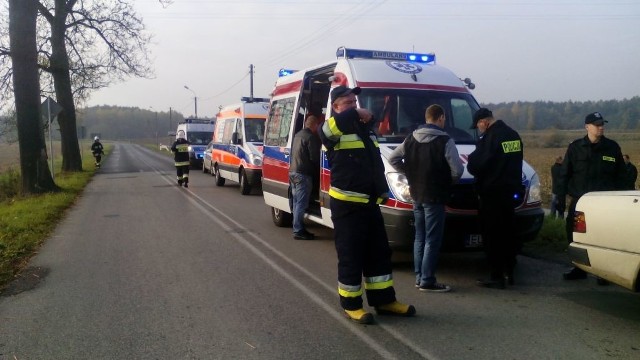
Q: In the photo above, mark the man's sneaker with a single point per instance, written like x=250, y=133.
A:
x=435, y=287
x=179, y=182
x=186, y=184
x=396, y=308
x=360, y=316
x=304, y=235
x=575, y=274
x=417, y=285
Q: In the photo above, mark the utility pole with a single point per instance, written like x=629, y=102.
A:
x=251, y=82
x=170, y=120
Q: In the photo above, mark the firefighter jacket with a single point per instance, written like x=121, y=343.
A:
x=431, y=163
x=496, y=163
x=357, y=171
x=180, y=150
x=591, y=166
x=96, y=148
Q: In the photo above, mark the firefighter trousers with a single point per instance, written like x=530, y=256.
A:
x=363, y=251
x=182, y=171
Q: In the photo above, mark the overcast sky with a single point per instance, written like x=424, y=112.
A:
x=552, y=50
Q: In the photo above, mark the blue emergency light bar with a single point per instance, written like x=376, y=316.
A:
x=384, y=55
x=285, y=72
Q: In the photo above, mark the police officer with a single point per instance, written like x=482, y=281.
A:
x=591, y=163
x=358, y=186
x=180, y=149
x=496, y=164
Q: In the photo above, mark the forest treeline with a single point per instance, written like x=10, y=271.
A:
x=542, y=115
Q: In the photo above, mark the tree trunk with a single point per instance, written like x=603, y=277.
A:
x=35, y=173
x=71, y=160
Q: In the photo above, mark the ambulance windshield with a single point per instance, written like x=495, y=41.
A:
x=398, y=112
x=199, y=137
x=254, y=129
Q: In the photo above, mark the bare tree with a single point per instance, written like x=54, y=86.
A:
x=35, y=173
x=91, y=45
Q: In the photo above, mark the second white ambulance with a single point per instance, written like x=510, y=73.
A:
x=397, y=87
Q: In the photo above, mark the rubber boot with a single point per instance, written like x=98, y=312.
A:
x=396, y=308
x=360, y=316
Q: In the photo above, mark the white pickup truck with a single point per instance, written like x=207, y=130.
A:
x=606, y=236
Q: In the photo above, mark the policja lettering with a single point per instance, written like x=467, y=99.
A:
x=511, y=146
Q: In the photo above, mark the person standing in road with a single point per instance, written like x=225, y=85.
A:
x=97, y=150
x=180, y=149
x=358, y=186
x=632, y=173
x=430, y=160
x=591, y=163
x=496, y=164
x=558, y=203
x=305, y=165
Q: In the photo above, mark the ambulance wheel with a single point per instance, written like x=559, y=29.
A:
x=281, y=218
x=219, y=178
x=204, y=169
x=245, y=187
x=212, y=171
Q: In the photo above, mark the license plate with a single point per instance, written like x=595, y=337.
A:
x=473, y=241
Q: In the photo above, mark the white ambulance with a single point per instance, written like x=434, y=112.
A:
x=236, y=152
x=397, y=87
x=199, y=133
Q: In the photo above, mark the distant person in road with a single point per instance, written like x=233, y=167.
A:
x=305, y=165
x=558, y=203
x=591, y=163
x=430, y=160
x=358, y=186
x=632, y=173
x=180, y=149
x=496, y=164
x=97, y=150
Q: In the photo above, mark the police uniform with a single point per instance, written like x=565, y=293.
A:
x=180, y=150
x=589, y=167
x=496, y=164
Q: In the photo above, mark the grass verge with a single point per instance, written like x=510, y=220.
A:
x=551, y=242
x=26, y=221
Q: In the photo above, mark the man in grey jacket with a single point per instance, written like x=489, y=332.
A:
x=305, y=165
x=429, y=158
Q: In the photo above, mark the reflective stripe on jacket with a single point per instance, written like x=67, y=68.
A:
x=357, y=171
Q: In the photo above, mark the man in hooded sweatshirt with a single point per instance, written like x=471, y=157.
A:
x=429, y=158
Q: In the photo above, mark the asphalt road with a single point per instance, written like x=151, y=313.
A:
x=143, y=269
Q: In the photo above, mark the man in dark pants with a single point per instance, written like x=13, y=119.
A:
x=496, y=165
x=558, y=203
x=358, y=186
x=591, y=163
x=305, y=165
x=180, y=150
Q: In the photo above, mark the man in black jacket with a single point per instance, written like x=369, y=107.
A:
x=305, y=165
x=591, y=163
x=558, y=203
x=430, y=160
x=358, y=186
x=496, y=165
x=632, y=173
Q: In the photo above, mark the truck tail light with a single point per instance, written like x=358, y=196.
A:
x=579, y=222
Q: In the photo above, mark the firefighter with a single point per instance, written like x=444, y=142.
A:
x=358, y=186
x=97, y=150
x=180, y=149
